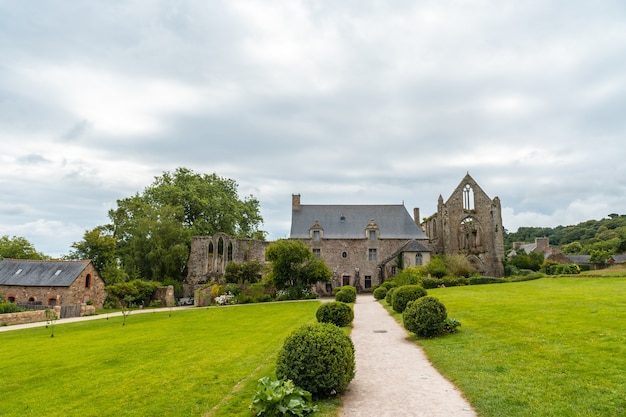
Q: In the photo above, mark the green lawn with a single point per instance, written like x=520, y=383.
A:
x=196, y=362
x=550, y=347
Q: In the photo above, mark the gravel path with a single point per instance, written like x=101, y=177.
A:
x=393, y=376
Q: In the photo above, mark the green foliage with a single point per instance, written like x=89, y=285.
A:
x=335, y=312
x=134, y=292
x=605, y=234
x=380, y=293
x=451, y=325
x=319, y=358
x=294, y=265
x=426, y=317
x=530, y=261
x=437, y=266
x=410, y=276
x=389, y=284
x=562, y=269
x=276, y=398
x=8, y=307
x=404, y=294
x=19, y=248
x=347, y=294
x=485, y=280
x=243, y=272
x=149, y=234
x=599, y=257
x=389, y=296
x=429, y=283
x=458, y=266
x=345, y=297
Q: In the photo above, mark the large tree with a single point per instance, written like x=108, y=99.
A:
x=18, y=248
x=294, y=265
x=152, y=230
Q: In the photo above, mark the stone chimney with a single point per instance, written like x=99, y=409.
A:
x=295, y=202
x=542, y=243
x=416, y=216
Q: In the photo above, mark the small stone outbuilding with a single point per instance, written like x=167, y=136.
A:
x=51, y=283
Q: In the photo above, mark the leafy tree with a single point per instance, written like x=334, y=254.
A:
x=19, y=248
x=599, y=257
x=149, y=236
x=294, y=265
x=530, y=261
x=242, y=272
x=572, y=248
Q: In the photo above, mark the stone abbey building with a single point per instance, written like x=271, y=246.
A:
x=365, y=244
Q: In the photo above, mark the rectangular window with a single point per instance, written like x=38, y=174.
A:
x=372, y=254
x=317, y=252
x=394, y=270
x=368, y=281
x=372, y=234
x=316, y=235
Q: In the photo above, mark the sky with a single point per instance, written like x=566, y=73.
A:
x=351, y=102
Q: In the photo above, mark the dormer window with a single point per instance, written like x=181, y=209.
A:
x=371, y=231
x=316, y=231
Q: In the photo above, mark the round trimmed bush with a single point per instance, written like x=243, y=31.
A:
x=335, y=312
x=426, y=317
x=402, y=295
x=380, y=293
x=318, y=358
x=389, y=296
x=346, y=296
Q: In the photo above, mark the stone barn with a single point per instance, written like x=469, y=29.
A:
x=51, y=283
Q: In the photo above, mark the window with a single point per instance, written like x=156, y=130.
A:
x=229, y=256
x=372, y=234
x=329, y=287
x=371, y=254
x=419, y=260
x=368, y=281
x=344, y=254
x=468, y=197
x=31, y=300
x=316, y=235
x=345, y=280
x=317, y=252
x=11, y=298
x=88, y=281
x=394, y=270
x=52, y=302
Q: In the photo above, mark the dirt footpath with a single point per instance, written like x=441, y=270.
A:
x=393, y=376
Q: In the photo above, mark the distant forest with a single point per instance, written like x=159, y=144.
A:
x=608, y=235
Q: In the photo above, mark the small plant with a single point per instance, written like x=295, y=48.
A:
x=51, y=318
x=319, y=358
x=450, y=325
x=225, y=299
x=426, y=317
x=402, y=295
x=281, y=398
x=336, y=312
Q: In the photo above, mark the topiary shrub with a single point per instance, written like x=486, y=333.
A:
x=346, y=296
x=402, y=295
x=336, y=312
x=389, y=296
x=429, y=283
x=426, y=317
x=380, y=293
x=318, y=358
x=389, y=284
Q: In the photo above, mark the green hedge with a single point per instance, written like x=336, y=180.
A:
x=402, y=295
x=318, y=358
x=335, y=312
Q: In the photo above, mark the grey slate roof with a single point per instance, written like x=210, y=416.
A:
x=393, y=221
x=20, y=272
x=415, y=246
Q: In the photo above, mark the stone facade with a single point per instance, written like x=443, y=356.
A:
x=86, y=285
x=364, y=245
x=469, y=223
x=209, y=256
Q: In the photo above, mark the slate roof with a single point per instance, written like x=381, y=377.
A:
x=350, y=221
x=415, y=246
x=28, y=273
x=579, y=259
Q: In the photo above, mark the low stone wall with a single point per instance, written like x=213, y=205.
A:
x=22, y=317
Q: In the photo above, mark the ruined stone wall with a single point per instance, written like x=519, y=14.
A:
x=209, y=256
x=469, y=223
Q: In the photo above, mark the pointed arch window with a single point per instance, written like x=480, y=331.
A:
x=468, y=197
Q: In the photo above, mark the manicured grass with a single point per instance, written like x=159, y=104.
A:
x=196, y=362
x=550, y=347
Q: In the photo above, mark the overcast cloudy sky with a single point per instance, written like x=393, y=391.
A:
x=349, y=102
